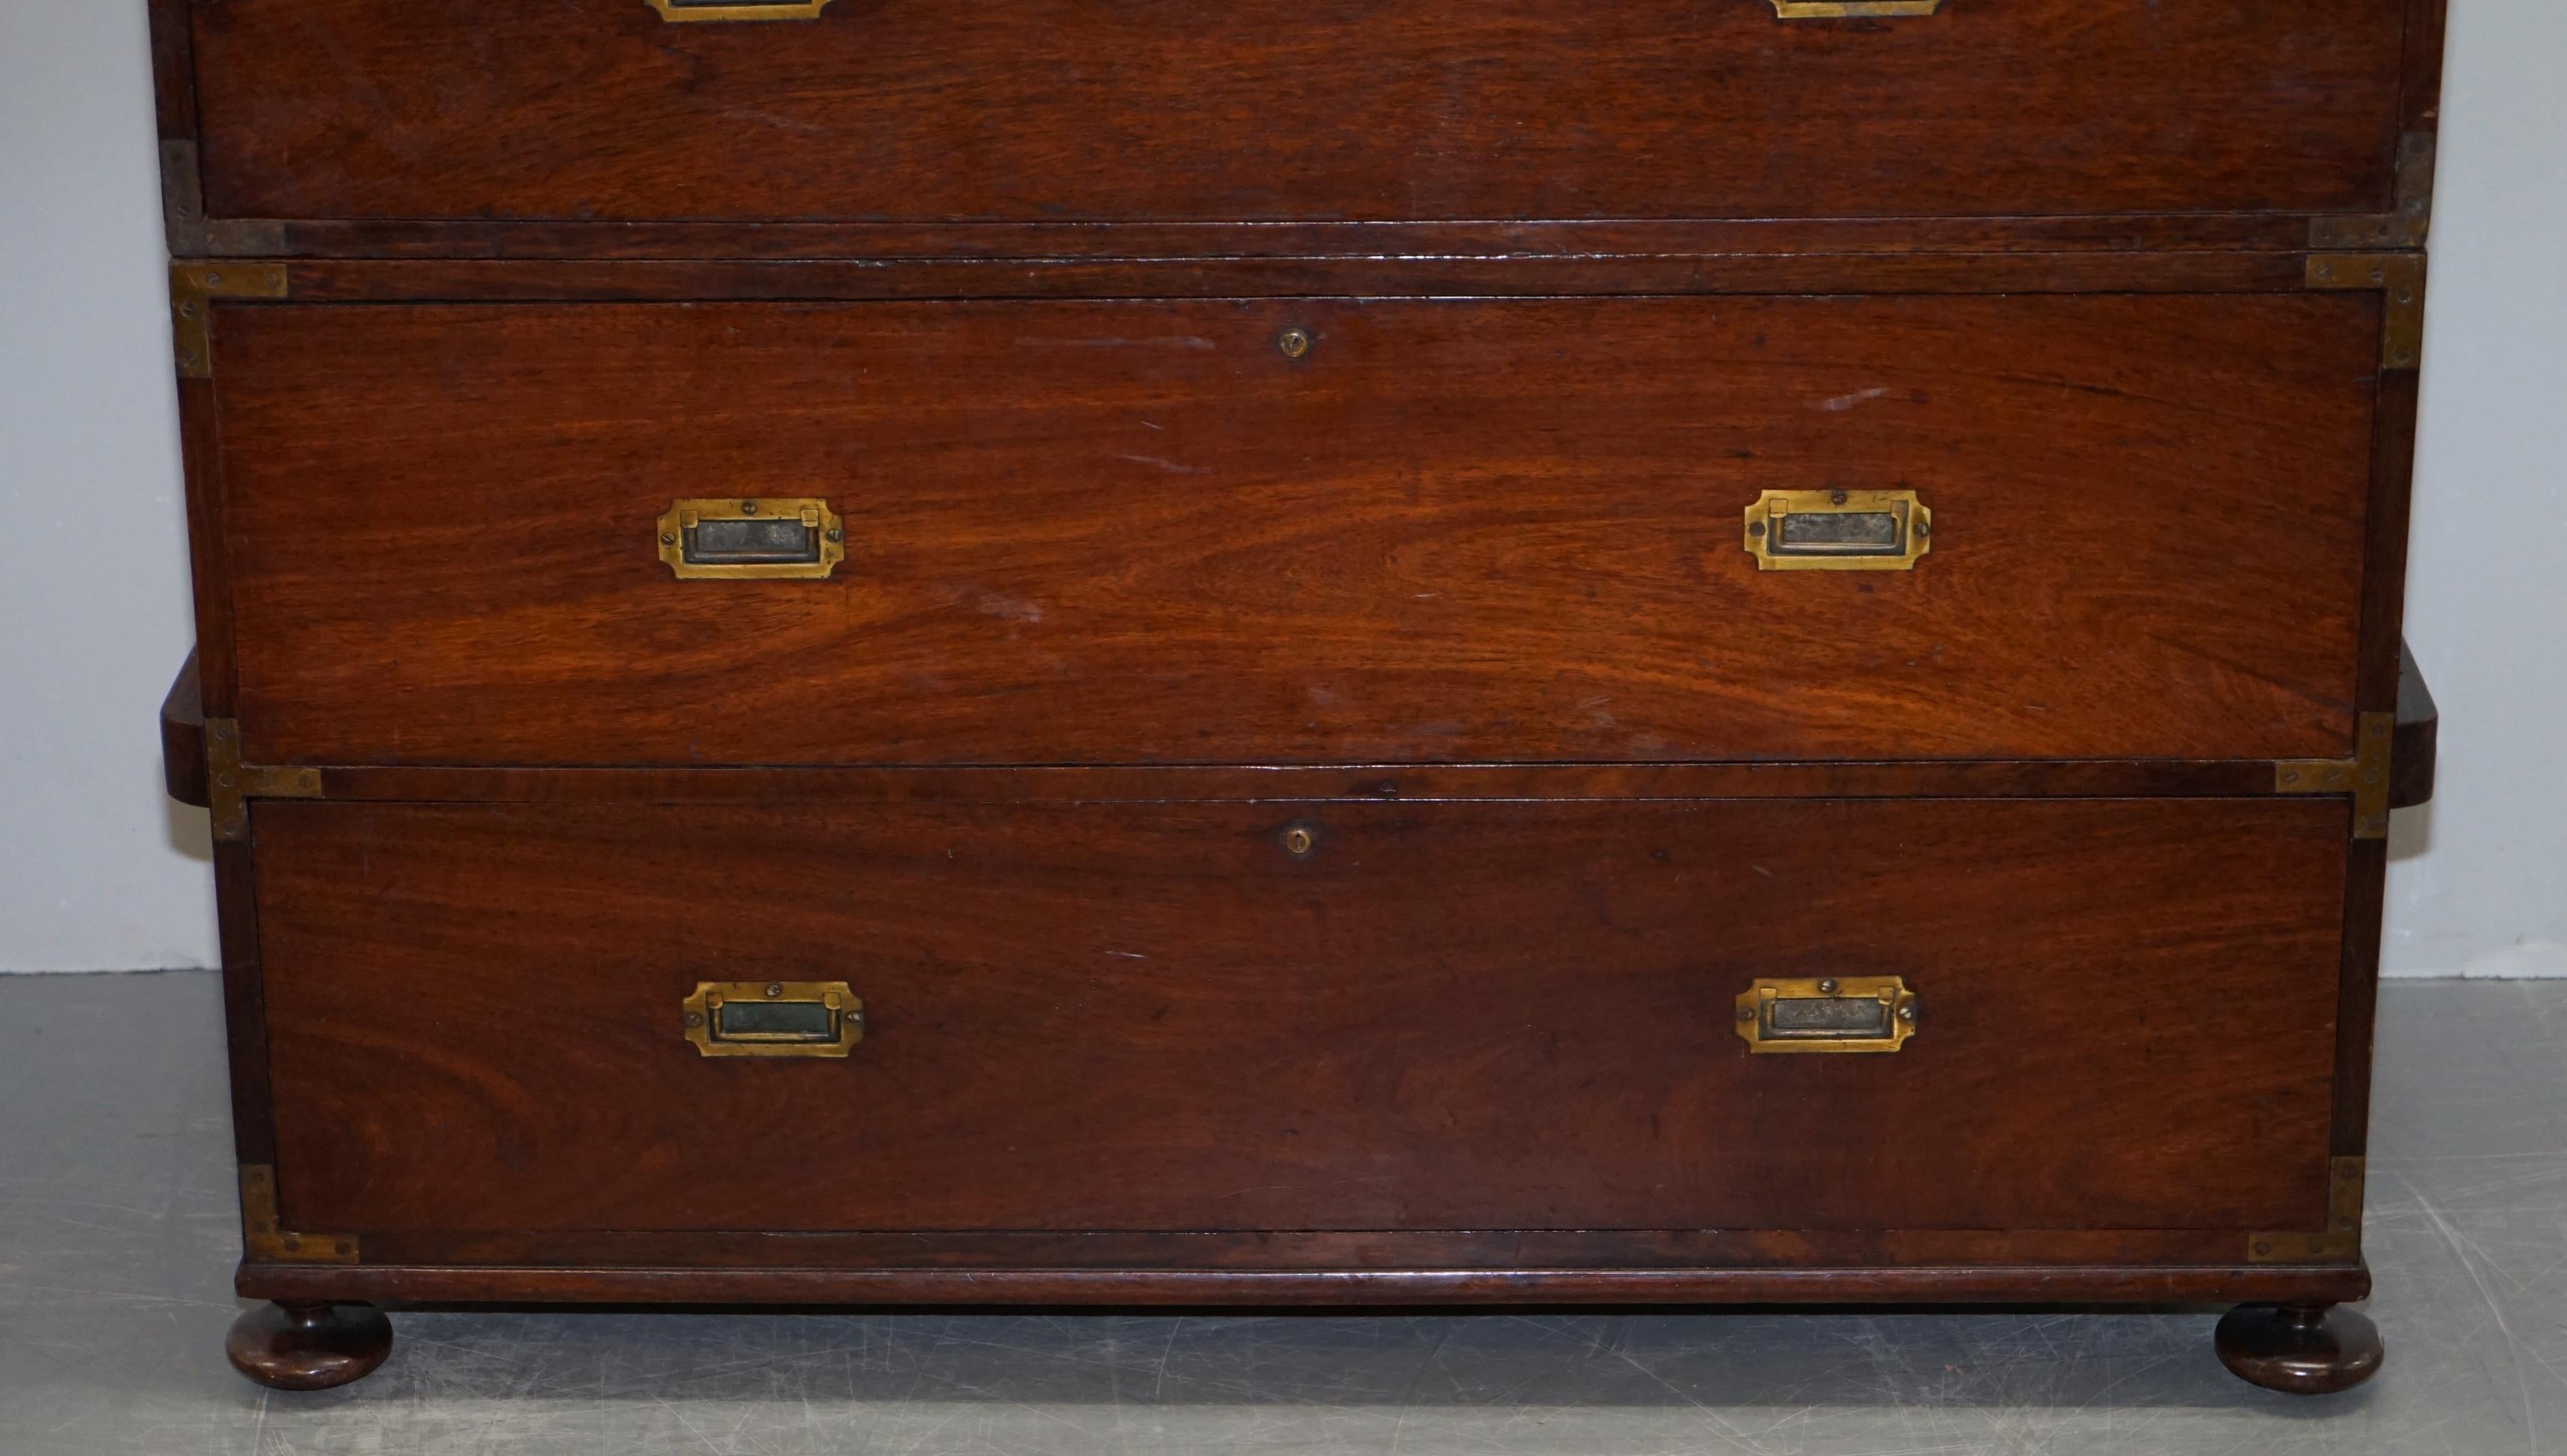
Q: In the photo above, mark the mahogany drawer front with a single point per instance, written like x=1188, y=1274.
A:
x=1450, y=531
x=1157, y=1017
x=1261, y=109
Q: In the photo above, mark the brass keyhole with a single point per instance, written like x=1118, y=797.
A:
x=1294, y=342
x=1300, y=841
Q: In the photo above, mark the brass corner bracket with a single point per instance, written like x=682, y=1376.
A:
x=231, y=784
x=265, y=1242
x=2406, y=227
x=2400, y=278
x=2364, y=775
x=2339, y=1241
x=192, y=289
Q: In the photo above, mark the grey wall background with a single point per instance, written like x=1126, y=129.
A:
x=99, y=872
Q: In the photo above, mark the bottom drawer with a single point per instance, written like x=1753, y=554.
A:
x=1321, y=1016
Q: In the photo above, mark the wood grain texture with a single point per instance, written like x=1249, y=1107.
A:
x=1117, y=532
x=1504, y=276
x=1033, y=241
x=1167, y=110
x=1490, y=1251
x=2104, y=1285
x=1374, y=783
x=1445, y=1017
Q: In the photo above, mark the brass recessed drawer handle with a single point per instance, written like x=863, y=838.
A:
x=766, y=538
x=729, y=10
x=1852, y=9
x=1838, y=1013
x=774, y=1019
x=1838, y=530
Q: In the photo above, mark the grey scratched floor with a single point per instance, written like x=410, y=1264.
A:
x=117, y=1234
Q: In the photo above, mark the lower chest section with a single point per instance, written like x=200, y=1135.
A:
x=1826, y=1016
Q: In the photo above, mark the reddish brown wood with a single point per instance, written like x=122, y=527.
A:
x=307, y=1345
x=183, y=737
x=201, y=451
x=2384, y=573
x=1157, y=1017
x=1375, y=1251
x=1430, y=275
x=1626, y=239
x=1120, y=532
x=173, y=79
x=1997, y=1284
x=2300, y=1349
x=1292, y=110
x=2227, y=778
x=1452, y=1057
x=2421, y=85
x=2418, y=743
x=246, y=1024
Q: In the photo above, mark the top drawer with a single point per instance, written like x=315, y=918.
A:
x=1175, y=110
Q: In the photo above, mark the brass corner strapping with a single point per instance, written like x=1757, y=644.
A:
x=2364, y=775
x=192, y=289
x=2400, y=280
x=231, y=784
x=265, y=1242
x=2410, y=218
x=2339, y=1241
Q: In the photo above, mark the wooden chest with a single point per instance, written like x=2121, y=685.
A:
x=1084, y=652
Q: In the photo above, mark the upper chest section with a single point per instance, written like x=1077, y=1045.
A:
x=1310, y=112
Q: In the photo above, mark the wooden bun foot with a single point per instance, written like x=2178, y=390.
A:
x=2299, y=1349
x=309, y=1346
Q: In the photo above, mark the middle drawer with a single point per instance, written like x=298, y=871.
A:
x=1299, y=530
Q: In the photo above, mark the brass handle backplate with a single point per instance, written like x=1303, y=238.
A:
x=1838, y=530
x=774, y=1019
x=1852, y=9
x=766, y=538
x=726, y=10
x=1828, y=1013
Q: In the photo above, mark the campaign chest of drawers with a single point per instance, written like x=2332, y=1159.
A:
x=1156, y=653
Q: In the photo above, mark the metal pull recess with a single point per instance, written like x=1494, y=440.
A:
x=774, y=1019
x=727, y=10
x=1838, y=530
x=768, y=538
x=1828, y=1013
x=1852, y=9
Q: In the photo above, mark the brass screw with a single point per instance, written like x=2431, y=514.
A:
x=1907, y=1014
x=748, y=508
x=1294, y=342
x=667, y=540
x=1298, y=841
x=836, y=535
x=2263, y=1246
x=1828, y=987
x=213, y=280
x=1925, y=529
x=1747, y=1013
x=1755, y=528
x=774, y=988
x=694, y=1019
x=1837, y=497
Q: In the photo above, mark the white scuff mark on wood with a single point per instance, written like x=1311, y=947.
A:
x=1170, y=466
